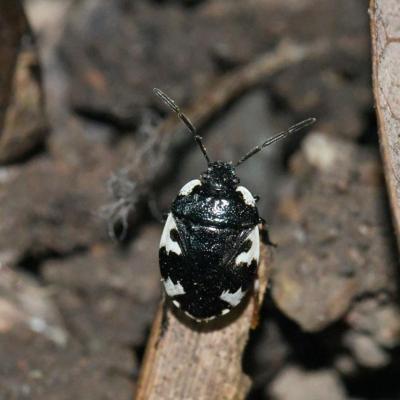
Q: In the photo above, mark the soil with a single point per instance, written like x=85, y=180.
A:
x=78, y=292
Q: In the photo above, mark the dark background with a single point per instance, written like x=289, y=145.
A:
x=77, y=108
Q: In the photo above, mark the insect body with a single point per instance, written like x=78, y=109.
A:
x=210, y=245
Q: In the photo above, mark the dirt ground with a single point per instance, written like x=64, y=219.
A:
x=85, y=176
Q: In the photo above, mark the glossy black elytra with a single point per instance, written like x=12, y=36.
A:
x=210, y=245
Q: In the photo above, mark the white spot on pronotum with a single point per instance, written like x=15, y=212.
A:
x=166, y=240
x=200, y=319
x=232, y=298
x=254, y=251
x=173, y=289
x=187, y=189
x=176, y=303
x=225, y=311
x=204, y=319
x=247, y=196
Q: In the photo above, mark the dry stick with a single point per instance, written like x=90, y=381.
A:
x=193, y=361
x=385, y=20
x=185, y=362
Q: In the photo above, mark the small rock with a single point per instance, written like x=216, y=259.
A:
x=379, y=321
x=294, y=383
x=345, y=364
x=23, y=302
x=344, y=249
x=366, y=351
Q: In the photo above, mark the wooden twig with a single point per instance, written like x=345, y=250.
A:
x=385, y=20
x=232, y=85
x=13, y=24
x=192, y=361
x=23, y=124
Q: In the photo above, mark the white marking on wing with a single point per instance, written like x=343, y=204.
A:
x=187, y=189
x=232, y=298
x=166, y=240
x=247, y=196
x=254, y=252
x=176, y=304
x=173, y=289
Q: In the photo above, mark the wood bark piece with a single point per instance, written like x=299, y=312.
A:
x=12, y=26
x=23, y=124
x=192, y=361
x=385, y=29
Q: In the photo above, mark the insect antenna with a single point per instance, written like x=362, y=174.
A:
x=174, y=107
x=279, y=136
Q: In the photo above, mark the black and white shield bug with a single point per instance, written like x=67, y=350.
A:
x=210, y=245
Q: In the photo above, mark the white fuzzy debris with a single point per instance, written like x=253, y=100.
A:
x=325, y=152
x=232, y=298
x=173, y=289
x=254, y=252
x=187, y=189
x=247, y=196
x=166, y=240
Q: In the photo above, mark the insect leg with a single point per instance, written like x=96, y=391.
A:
x=255, y=318
x=155, y=211
x=164, y=317
x=264, y=234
